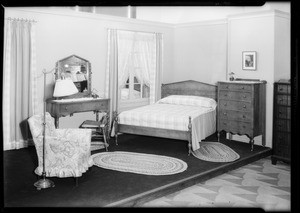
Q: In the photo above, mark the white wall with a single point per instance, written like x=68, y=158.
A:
x=185, y=14
x=200, y=52
x=282, y=48
x=257, y=32
x=63, y=33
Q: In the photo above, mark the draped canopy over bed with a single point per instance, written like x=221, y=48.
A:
x=187, y=111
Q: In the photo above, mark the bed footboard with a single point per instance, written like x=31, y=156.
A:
x=151, y=131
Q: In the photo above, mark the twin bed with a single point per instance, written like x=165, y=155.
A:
x=186, y=111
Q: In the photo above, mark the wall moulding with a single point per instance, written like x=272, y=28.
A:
x=259, y=14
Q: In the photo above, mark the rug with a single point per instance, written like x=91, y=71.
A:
x=215, y=152
x=147, y=164
x=97, y=145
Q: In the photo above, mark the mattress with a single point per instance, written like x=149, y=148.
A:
x=174, y=117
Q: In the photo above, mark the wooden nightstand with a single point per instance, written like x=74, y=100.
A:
x=282, y=122
x=242, y=108
x=61, y=108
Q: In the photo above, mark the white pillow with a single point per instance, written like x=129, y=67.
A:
x=189, y=100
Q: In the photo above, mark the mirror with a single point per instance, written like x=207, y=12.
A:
x=79, y=70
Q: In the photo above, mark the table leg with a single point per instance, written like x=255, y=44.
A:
x=56, y=120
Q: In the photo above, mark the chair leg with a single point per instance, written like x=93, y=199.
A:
x=104, y=137
x=76, y=181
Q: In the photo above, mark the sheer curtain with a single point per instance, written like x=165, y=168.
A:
x=19, y=82
x=147, y=54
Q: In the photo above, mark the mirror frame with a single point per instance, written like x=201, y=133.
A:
x=75, y=60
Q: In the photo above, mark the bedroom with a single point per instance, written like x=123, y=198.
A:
x=213, y=49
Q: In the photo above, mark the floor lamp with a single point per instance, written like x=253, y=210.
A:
x=63, y=87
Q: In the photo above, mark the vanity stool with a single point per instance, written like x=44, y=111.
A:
x=99, y=130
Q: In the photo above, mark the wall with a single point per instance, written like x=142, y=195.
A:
x=185, y=14
x=257, y=32
x=63, y=33
x=200, y=52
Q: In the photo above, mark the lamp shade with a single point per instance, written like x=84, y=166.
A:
x=64, y=87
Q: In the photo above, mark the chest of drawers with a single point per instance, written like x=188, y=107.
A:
x=242, y=108
x=281, y=145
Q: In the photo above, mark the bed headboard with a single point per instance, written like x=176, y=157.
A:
x=189, y=87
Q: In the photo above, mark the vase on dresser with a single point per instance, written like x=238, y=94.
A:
x=242, y=108
x=281, y=146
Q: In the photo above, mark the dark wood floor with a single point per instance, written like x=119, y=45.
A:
x=100, y=187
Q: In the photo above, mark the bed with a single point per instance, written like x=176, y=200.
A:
x=186, y=111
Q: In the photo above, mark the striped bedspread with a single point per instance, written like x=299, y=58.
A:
x=174, y=116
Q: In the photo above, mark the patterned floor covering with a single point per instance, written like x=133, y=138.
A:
x=259, y=184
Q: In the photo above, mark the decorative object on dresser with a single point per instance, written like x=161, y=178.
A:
x=242, y=108
x=281, y=145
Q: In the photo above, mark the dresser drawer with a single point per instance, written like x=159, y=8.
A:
x=283, y=100
x=284, y=88
x=237, y=87
x=282, y=145
x=235, y=126
x=283, y=125
x=283, y=112
x=236, y=115
x=235, y=105
x=243, y=96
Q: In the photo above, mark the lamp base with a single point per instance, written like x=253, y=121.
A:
x=43, y=184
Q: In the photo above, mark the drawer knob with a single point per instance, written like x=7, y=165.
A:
x=227, y=87
x=279, y=112
x=225, y=113
x=244, y=106
x=242, y=87
x=244, y=96
x=66, y=108
x=244, y=116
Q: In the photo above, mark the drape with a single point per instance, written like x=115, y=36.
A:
x=111, y=87
x=19, y=82
x=156, y=94
x=125, y=41
x=145, y=57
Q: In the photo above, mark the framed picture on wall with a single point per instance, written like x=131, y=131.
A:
x=249, y=60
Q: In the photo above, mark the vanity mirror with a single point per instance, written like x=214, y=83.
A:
x=77, y=69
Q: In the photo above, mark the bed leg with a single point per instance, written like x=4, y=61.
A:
x=190, y=136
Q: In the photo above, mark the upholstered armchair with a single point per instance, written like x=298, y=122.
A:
x=67, y=151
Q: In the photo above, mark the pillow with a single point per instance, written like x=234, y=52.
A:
x=189, y=100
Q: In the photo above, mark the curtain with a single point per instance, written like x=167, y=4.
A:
x=156, y=95
x=111, y=89
x=125, y=42
x=19, y=82
x=145, y=56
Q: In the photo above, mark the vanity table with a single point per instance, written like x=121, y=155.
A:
x=65, y=107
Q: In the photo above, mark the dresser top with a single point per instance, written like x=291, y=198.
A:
x=243, y=82
x=71, y=100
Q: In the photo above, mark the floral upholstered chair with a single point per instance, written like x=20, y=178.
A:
x=67, y=151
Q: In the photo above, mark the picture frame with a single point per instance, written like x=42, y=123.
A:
x=249, y=60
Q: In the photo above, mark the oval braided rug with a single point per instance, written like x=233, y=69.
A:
x=215, y=152
x=147, y=164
